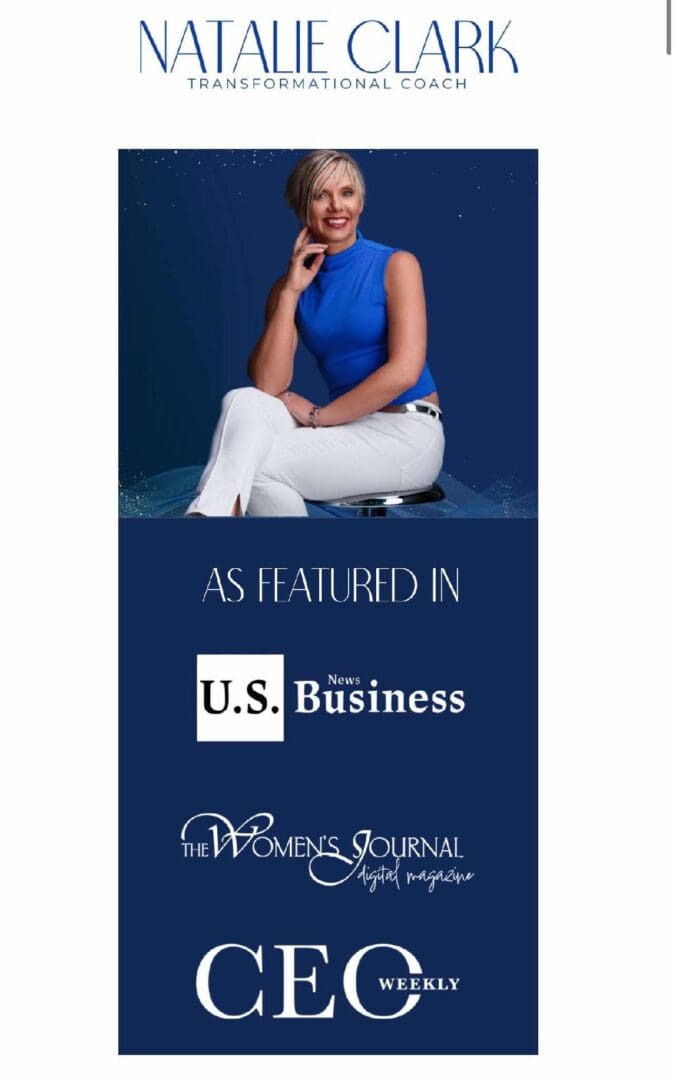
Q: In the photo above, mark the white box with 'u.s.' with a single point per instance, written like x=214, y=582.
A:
x=240, y=698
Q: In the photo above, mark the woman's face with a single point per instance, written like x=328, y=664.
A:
x=335, y=209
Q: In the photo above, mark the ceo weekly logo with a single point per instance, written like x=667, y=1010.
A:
x=240, y=698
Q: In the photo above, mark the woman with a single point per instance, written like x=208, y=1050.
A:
x=360, y=309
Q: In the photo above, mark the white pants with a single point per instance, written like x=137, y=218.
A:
x=262, y=455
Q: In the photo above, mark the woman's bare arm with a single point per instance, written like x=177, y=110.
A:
x=270, y=364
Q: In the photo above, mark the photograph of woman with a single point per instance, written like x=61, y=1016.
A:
x=359, y=308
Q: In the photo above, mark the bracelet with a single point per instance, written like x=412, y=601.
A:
x=313, y=418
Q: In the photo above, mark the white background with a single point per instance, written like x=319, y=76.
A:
x=596, y=97
x=240, y=670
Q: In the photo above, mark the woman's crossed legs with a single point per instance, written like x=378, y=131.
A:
x=265, y=463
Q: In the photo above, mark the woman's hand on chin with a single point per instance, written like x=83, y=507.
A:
x=298, y=406
x=298, y=275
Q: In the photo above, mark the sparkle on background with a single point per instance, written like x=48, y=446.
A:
x=189, y=163
x=164, y=198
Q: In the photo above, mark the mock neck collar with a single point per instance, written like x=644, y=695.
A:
x=344, y=258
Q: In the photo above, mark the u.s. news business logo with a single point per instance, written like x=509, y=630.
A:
x=240, y=698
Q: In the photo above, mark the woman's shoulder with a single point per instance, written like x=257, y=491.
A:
x=397, y=263
x=380, y=249
x=397, y=257
x=402, y=266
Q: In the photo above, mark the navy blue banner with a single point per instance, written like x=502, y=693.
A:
x=328, y=786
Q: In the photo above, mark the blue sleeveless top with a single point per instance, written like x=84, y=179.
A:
x=342, y=319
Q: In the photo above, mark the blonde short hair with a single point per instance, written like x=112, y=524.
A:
x=300, y=187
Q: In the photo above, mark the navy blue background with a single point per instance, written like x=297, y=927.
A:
x=472, y=775
x=203, y=234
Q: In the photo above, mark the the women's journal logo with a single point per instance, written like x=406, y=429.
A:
x=400, y=861
x=319, y=54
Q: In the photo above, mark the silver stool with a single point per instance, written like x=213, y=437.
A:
x=377, y=505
